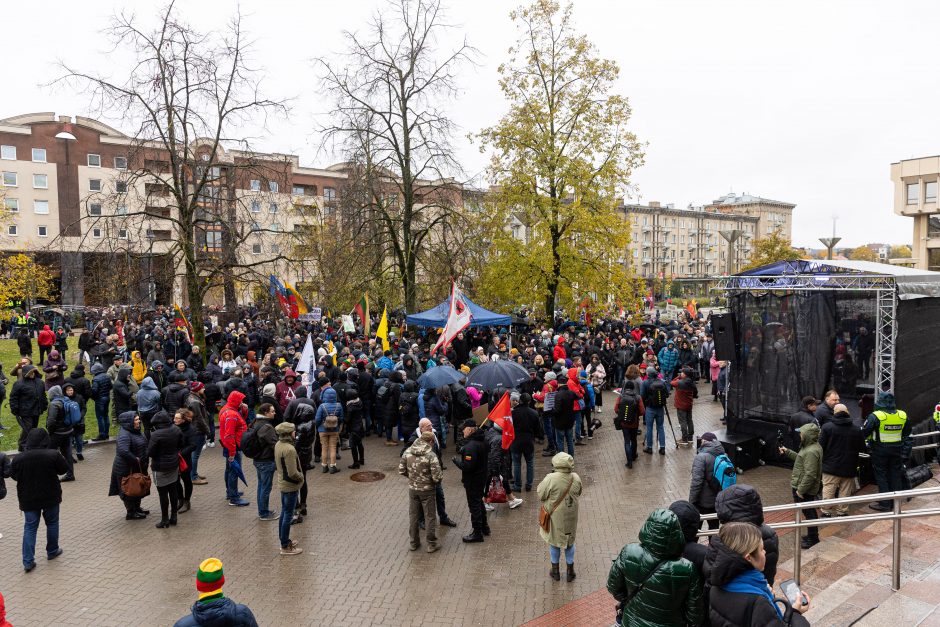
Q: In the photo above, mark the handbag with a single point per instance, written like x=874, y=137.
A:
x=136, y=485
x=183, y=465
x=496, y=492
x=545, y=516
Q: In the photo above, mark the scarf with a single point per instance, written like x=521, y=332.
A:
x=752, y=582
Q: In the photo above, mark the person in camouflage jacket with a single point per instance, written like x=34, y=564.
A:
x=423, y=469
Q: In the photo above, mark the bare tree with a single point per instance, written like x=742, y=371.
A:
x=389, y=91
x=190, y=95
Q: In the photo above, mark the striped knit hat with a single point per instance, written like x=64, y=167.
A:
x=209, y=579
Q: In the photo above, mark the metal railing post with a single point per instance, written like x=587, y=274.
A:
x=798, y=547
x=896, y=547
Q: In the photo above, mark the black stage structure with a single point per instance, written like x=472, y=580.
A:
x=798, y=331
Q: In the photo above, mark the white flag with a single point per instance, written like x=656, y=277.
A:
x=457, y=320
x=307, y=357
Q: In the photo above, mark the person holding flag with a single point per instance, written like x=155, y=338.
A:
x=457, y=320
x=499, y=437
x=362, y=310
x=382, y=331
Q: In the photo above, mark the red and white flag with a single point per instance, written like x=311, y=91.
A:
x=501, y=416
x=457, y=320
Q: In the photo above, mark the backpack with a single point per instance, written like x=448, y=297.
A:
x=628, y=412
x=72, y=412
x=331, y=421
x=407, y=403
x=723, y=472
x=657, y=393
x=251, y=443
x=382, y=392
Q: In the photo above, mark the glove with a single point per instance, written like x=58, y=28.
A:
x=455, y=460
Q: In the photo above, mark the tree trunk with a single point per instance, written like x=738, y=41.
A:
x=195, y=295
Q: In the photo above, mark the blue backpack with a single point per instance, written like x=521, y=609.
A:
x=723, y=472
x=72, y=412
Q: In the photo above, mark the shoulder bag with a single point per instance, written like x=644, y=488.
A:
x=545, y=516
x=136, y=485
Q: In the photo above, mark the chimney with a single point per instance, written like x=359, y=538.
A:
x=65, y=118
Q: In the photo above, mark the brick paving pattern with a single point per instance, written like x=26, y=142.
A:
x=356, y=568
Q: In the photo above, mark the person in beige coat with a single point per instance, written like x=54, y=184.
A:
x=558, y=493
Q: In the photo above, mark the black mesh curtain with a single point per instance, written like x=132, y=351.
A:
x=785, y=349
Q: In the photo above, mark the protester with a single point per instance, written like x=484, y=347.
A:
x=101, y=393
x=231, y=428
x=183, y=419
x=704, y=487
x=472, y=461
x=28, y=402
x=527, y=427
x=263, y=439
x=213, y=609
x=806, y=478
x=290, y=479
x=130, y=456
x=163, y=451
x=691, y=521
x=558, y=493
x=841, y=441
x=742, y=503
x=686, y=392
x=329, y=419
x=423, y=470
x=654, y=393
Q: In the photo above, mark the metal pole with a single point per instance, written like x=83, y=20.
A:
x=797, y=555
x=896, y=548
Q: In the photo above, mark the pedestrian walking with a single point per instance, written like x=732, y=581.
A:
x=558, y=493
x=423, y=470
x=59, y=426
x=290, y=477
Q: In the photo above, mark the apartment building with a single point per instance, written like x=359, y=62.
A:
x=915, y=196
x=772, y=215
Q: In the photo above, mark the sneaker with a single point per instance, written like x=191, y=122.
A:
x=239, y=503
x=489, y=507
x=54, y=554
x=211, y=444
x=81, y=457
x=516, y=502
x=269, y=517
x=291, y=549
x=590, y=437
x=199, y=482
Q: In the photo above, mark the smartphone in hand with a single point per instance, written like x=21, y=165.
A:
x=794, y=594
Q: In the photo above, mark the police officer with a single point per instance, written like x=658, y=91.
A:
x=472, y=463
x=888, y=433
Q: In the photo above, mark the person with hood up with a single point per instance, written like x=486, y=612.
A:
x=163, y=451
x=55, y=368
x=558, y=352
x=408, y=407
x=704, y=487
x=123, y=393
x=46, y=341
x=654, y=585
x=36, y=471
x=138, y=367
x=806, y=478
x=155, y=355
x=528, y=427
x=285, y=390
x=213, y=609
x=471, y=460
x=329, y=420
x=355, y=427
x=841, y=442
x=148, y=403
x=183, y=419
x=558, y=493
x=740, y=596
x=130, y=456
x=888, y=432
x=25, y=343
x=27, y=402
x=668, y=359
x=691, y=521
x=81, y=392
x=423, y=469
x=269, y=395
x=389, y=400
x=194, y=360
x=157, y=374
x=742, y=503
x=101, y=393
x=232, y=427
x=60, y=432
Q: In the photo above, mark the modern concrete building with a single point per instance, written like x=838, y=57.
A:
x=915, y=196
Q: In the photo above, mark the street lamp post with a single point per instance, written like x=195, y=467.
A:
x=731, y=237
x=830, y=244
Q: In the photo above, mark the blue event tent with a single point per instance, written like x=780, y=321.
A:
x=437, y=316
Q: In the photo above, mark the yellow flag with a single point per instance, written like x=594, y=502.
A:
x=382, y=331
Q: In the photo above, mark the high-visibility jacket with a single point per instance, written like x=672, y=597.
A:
x=890, y=427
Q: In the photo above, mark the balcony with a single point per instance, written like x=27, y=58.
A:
x=157, y=212
x=156, y=189
x=159, y=235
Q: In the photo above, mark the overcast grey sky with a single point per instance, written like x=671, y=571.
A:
x=803, y=101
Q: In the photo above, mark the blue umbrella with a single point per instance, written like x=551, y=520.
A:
x=237, y=468
x=439, y=376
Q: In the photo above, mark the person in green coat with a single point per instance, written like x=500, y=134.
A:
x=806, y=479
x=559, y=492
x=653, y=584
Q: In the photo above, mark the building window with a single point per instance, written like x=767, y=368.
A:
x=94, y=185
x=120, y=163
x=94, y=209
x=11, y=204
x=275, y=227
x=256, y=249
x=120, y=187
x=298, y=190
x=42, y=231
x=12, y=230
x=8, y=153
x=273, y=207
x=272, y=185
x=213, y=240
x=329, y=193
x=275, y=249
x=255, y=206
x=41, y=207
x=930, y=191
x=94, y=161
x=255, y=185
x=122, y=233
x=913, y=193
x=9, y=179
x=933, y=226
x=255, y=227
x=40, y=181
x=96, y=233
x=121, y=210
x=39, y=155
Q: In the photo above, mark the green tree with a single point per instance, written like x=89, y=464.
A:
x=561, y=157
x=900, y=252
x=774, y=247
x=863, y=253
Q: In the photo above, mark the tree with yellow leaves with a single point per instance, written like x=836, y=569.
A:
x=23, y=279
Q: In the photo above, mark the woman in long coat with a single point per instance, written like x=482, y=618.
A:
x=130, y=456
x=558, y=493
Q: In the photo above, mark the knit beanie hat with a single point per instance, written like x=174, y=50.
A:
x=209, y=579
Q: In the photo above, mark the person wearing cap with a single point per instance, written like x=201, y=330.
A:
x=212, y=607
x=889, y=439
x=471, y=461
x=841, y=441
x=290, y=478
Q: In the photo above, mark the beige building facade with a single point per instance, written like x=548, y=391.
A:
x=915, y=196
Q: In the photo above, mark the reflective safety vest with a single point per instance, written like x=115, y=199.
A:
x=21, y=321
x=936, y=416
x=890, y=427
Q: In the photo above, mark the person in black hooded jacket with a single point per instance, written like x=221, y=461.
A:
x=28, y=401
x=163, y=451
x=130, y=456
x=691, y=521
x=841, y=441
x=742, y=503
x=122, y=399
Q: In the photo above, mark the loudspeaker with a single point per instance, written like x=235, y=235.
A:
x=725, y=333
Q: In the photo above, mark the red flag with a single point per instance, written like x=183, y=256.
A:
x=501, y=416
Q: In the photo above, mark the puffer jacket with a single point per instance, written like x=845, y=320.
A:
x=100, y=383
x=327, y=407
x=165, y=444
x=55, y=419
x=742, y=503
x=28, y=396
x=702, y=489
x=148, y=397
x=740, y=609
x=421, y=466
x=218, y=612
x=806, y=478
x=690, y=520
x=130, y=455
x=841, y=441
x=122, y=394
x=562, y=533
x=672, y=589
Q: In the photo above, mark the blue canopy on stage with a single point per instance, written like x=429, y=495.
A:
x=437, y=316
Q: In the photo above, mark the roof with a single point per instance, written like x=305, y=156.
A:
x=437, y=316
x=746, y=199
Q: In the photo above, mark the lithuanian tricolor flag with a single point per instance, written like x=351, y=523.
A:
x=362, y=310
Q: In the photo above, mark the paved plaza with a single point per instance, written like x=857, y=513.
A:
x=356, y=568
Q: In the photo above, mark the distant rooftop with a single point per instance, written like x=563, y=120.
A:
x=746, y=199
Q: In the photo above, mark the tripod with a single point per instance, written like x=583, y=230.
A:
x=671, y=428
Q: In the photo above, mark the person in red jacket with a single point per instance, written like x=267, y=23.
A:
x=46, y=341
x=686, y=391
x=559, y=351
x=231, y=428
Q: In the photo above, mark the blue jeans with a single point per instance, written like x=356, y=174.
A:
x=629, y=444
x=563, y=436
x=265, y=472
x=78, y=442
x=51, y=516
x=555, y=554
x=518, y=452
x=288, y=504
x=577, y=424
x=101, y=415
x=658, y=414
x=549, y=430
x=194, y=458
x=231, y=477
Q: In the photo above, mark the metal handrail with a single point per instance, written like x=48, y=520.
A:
x=896, y=516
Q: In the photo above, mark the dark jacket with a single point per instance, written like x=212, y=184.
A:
x=266, y=435
x=121, y=400
x=497, y=460
x=130, y=454
x=28, y=396
x=672, y=588
x=173, y=396
x=800, y=418
x=703, y=488
x=55, y=419
x=472, y=459
x=218, y=613
x=691, y=521
x=165, y=444
x=740, y=609
x=191, y=439
x=436, y=411
x=100, y=383
x=36, y=472
x=563, y=418
x=823, y=414
x=841, y=441
x=5, y=465
x=408, y=407
x=741, y=503
x=526, y=423
x=82, y=386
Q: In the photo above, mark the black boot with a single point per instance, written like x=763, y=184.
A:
x=809, y=542
x=184, y=506
x=554, y=574
x=476, y=536
x=571, y=574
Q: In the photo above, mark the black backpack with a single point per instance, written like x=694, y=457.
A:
x=657, y=394
x=251, y=444
x=628, y=412
x=382, y=393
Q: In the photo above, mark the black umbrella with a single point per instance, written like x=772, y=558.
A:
x=439, y=376
x=501, y=372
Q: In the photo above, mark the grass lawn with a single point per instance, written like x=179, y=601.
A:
x=9, y=355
